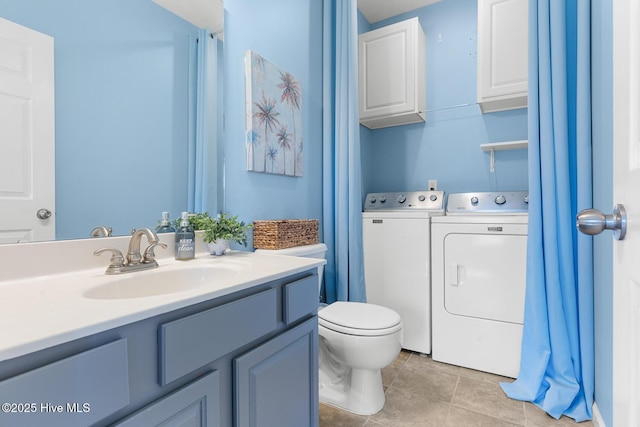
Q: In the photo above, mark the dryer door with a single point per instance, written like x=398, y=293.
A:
x=485, y=276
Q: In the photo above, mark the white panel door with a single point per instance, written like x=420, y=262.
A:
x=27, y=152
x=626, y=191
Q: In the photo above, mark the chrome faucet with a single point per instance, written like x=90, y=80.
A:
x=133, y=253
x=101, y=231
x=134, y=261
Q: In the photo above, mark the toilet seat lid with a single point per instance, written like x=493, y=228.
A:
x=359, y=318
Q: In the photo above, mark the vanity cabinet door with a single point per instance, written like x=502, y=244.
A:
x=194, y=405
x=276, y=384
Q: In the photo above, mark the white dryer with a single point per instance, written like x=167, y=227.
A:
x=396, y=230
x=479, y=255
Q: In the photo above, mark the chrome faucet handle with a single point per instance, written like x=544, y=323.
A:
x=117, y=260
x=149, y=255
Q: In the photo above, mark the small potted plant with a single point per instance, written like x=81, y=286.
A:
x=220, y=230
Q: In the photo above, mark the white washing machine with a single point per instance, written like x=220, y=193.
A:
x=479, y=252
x=397, y=258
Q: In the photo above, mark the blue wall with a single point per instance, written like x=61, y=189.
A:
x=122, y=109
x=288, y=33
x=447, y=146
x=602, y=131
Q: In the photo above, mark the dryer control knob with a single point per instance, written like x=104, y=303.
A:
x=402, y=198
x=474, y=200
x=433, y=197
x=383, y=199
x=501, y=200
x=526, y=198
x=372, y=199
x=421, y=198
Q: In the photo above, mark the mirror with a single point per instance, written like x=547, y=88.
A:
x=124, y=110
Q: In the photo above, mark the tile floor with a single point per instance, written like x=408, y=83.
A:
x=421, y=392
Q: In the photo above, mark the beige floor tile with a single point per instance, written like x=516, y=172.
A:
x=431, y=383
x=489, y=399
x=403, y=409
x=333, y=417
x=422, y=392
x=484, y=376
x=421, y=362
x=390, y=372
x=460, y=417
x=536, y=417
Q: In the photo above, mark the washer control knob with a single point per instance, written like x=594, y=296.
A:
x=421, y=198
x=402, y=198
x=474, y=200
x=526, y=198
x=383, y=199
x=433, y=197
x=501, y=200
x=372, y=199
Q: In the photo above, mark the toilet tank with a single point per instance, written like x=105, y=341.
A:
x=318, y=250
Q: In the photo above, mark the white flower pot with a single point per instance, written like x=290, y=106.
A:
x=218, y=247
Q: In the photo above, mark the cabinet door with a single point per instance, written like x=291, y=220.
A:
x=276, y=384
x=391, y=74
x=195, y=405
x=502, y=54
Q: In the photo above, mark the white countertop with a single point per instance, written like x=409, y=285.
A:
x=43, y=311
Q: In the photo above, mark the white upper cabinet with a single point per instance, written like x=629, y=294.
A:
x=391, y=75
x=502, y=54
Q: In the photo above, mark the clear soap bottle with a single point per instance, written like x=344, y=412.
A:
x=165, y=224
x=185, y=239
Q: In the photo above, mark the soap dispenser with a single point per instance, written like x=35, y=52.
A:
x=185, y=239
x=165, y=224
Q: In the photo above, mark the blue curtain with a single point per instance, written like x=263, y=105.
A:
x=203, y=163
x=557, y=365
x=342, y=176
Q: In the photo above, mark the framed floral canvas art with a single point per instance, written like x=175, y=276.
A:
x=273, y=118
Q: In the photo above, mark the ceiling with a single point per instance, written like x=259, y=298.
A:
x=207, y=14
x=377, y=10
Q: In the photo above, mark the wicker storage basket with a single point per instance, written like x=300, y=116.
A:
x=286, y=233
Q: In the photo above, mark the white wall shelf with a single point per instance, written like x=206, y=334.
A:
x=492, y=147
x=507, y=145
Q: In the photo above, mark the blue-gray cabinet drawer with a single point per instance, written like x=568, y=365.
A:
x=77, y=391
x=192, y=342
x=300, y=298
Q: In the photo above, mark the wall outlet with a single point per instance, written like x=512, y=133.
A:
x=433, y=184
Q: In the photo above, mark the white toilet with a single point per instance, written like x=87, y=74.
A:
x=356, y=341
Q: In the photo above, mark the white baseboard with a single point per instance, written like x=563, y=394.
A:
x=597, y=417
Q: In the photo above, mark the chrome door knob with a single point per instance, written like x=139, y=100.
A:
x=43, y=213
x=592, y=222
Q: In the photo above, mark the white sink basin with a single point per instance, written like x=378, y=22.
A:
x=161, y=282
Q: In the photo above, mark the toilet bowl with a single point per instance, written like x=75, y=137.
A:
x=356, y=340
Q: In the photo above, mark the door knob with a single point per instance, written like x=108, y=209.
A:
x=43, y=213
x=592, y=222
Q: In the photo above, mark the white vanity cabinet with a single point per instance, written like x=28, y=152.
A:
x=502, y=54
x=391, y=75
x=245, y=358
